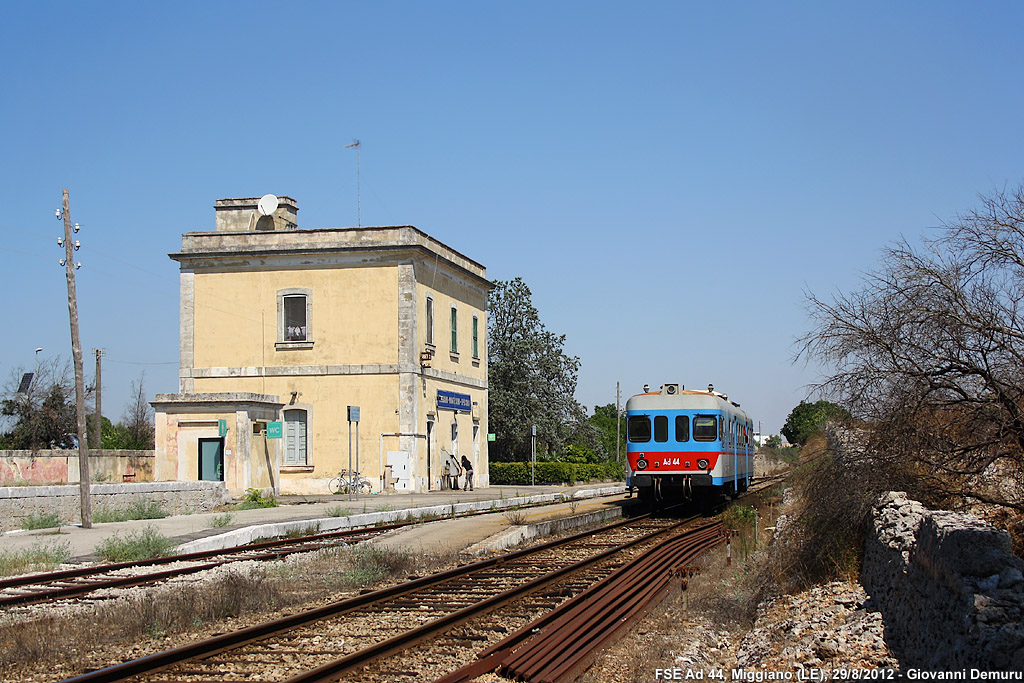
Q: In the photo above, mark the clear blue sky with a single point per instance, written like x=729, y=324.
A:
x=668, y=177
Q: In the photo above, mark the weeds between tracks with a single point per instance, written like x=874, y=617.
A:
x=157, y=618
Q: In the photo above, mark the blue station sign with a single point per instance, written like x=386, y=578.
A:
x=449, y=400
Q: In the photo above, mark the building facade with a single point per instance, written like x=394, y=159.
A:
x=306, y=352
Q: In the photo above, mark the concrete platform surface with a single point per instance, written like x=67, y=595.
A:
x=326, y=512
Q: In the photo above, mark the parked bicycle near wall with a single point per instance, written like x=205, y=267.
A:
x=347, y=481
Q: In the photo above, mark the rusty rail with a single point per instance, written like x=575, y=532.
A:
x=570, y=636
x=228, y=641
x=266, y=550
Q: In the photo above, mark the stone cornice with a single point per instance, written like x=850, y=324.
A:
x=327, y=371
x=389, y=244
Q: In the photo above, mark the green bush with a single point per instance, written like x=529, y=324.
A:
x=42, y=558
x=254, y=498
x=140, y=509
x=139, y=545
x=220, y=521
x=41, y=520
x=549, y=473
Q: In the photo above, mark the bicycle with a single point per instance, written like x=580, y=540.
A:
x=345, y=480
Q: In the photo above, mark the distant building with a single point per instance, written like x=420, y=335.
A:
x=283, y=330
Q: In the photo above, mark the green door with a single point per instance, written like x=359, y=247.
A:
x=211, y=459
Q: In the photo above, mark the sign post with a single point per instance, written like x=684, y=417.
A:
x=353, y=416
x=533, y=452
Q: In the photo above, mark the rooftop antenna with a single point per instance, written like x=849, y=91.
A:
x=359, y=207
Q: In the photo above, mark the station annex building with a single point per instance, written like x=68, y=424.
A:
x=284, y=331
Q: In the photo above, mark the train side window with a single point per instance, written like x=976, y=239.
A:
x=705, y=428
x=660, y=428
x=638, y=428
x=682, y=427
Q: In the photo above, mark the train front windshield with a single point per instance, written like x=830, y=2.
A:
x=705, y=428
x=638, y=429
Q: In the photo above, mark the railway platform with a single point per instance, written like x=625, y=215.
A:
x=530, y=505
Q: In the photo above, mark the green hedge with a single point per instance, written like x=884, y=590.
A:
x=553, y=472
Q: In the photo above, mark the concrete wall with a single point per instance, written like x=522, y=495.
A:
x=176, y=498
x=61, y=466
x=950, y=590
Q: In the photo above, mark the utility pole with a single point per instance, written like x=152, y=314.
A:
x=76, y=351
x=97, y=435
x=618, y=425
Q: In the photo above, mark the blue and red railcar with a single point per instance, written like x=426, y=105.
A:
x=682, y=443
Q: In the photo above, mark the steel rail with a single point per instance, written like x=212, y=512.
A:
x=228, y=641
x=558, y=653
x=33, y=579
x=41, y=579
x=270, y=550
x=331, y=670
x=608, y=606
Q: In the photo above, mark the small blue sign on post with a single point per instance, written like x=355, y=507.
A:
x=275, y=430
x=452, y=401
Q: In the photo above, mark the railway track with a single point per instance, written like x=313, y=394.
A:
x=83, y=581
x=384, y=635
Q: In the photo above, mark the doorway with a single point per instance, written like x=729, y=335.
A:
x=211, y=459
x=430, y=431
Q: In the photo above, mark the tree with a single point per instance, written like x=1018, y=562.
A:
x=532, y=381
x=807, y=418
x=44, y=416
x=138, y=418
x=604, y=420
x=930, y=351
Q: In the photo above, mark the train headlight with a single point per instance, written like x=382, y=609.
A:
x=702, y=464
x=641, y=464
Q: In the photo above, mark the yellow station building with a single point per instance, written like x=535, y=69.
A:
x=305, y=350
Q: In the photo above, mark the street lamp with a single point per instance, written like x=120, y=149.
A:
x=36, y=372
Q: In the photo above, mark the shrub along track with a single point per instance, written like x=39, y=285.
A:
x=375, y=636
x=75, y=583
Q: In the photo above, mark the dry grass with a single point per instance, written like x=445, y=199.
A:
x=516, y=516
x=155, y=618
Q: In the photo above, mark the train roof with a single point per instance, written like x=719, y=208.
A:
x=684, y=400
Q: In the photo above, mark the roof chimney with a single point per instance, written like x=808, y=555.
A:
x=242, y=215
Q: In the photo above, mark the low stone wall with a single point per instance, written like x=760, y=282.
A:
x=950, y=590
x=175, y=497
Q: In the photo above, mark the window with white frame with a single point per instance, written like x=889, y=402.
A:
x=430, y=320
x=455, y=330
x=295, y=318
x=476, y=337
